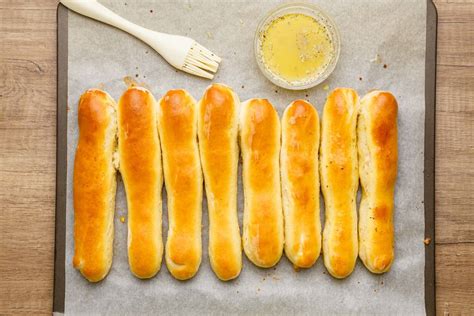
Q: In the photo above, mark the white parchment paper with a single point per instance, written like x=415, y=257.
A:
x=101, y=56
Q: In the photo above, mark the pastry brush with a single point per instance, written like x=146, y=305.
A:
x=181, y=52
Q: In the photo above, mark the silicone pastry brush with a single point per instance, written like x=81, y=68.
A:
x=181, y=52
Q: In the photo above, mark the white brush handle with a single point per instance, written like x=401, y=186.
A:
x=161, y=42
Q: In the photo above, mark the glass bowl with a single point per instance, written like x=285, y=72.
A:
x=321, y=17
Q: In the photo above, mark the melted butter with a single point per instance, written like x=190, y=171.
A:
x=296, y=47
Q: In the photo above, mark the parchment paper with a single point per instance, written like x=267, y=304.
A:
x=101, y=56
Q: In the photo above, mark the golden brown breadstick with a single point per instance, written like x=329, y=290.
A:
x=339, y=181
x=263, y=216
x=95, y=185
x=378, y=154
x=177, y=121
x=300, y=183
x=218, y=130
x=140, y=167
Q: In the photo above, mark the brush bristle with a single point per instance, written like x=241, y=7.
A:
x=201, y=62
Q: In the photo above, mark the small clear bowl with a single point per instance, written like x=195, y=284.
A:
x=314, y=12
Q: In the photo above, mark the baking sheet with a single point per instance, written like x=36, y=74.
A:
x=100, y=56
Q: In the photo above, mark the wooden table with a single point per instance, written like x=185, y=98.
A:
x=28, y=152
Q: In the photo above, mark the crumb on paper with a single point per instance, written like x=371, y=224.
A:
x=129, y=81
x=275, y=278
x=151, y=11
x=427, y=241
x=360, y=78
x=209, y=35
x=326, y=87
x=122, y=219
x=385, y=66
x=241, y=21
x=376, y=59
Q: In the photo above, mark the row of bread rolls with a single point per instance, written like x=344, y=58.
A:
x=189, y=141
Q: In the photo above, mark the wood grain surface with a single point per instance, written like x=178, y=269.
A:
x=28, y=140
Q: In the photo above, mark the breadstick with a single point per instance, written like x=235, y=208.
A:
x=95, y=185
x=219, y=149
x=177, y=121
x=263, y=215
x=378, y=154
x=140, y=167
x=339, y=181
x=300, y=183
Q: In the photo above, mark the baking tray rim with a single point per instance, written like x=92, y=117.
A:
x=61, y=158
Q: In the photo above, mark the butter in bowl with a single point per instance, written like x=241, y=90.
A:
x=297, y=46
